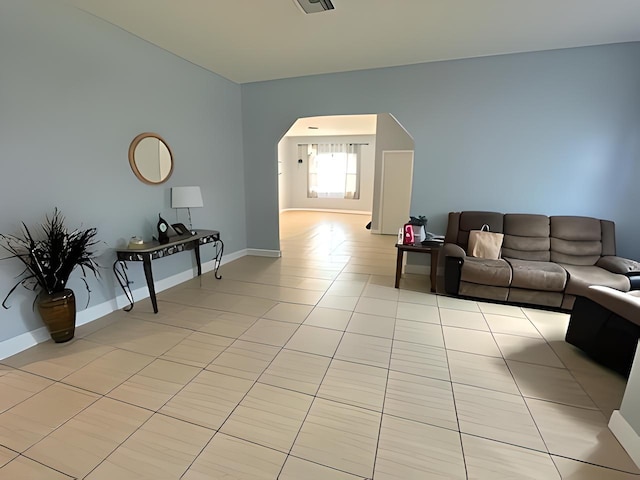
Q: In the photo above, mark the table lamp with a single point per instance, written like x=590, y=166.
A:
x=186, y=197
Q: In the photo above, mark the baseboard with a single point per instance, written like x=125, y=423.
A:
x=27, y=340
x=417, y=269
x=259, y=252
x=626, y=435
x=331, y=210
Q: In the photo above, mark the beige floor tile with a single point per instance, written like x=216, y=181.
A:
x=162, y=448
x=415, y=451
x=198, y=349
x=87, y=329
x=511, y=325
x=579, y=434
x=269, y=416
x=289, y=312
x=463, y=319
x=346, y=288
x=30, y=421
x=572, y=357
x=470, y=341
x=487, y=459
x=16, y=386
x=338, y=302
x=244, y=359
x=374, y=351
x=423, y=298
x=418, y=313
x=419, y=332
x=297, y=469
x=229, y=325
x=109, y=371
x=527, y=350
x=234, y=459
x=420, y=399
x=23, y=468
x=374, y=325
x=57, y=360
x=316, y=340
x=208, y=399
x=6, y=456
x=605, y=388
x=175, y=314
x=252, y=306
x=419, y=359
x=552, y=325
x=497, y=416
x=481, y=371
x=270, y=332
x=457, y=303
x=381, y=292
x=549, y=383
x=78, y=446
x=354, y=384
x=575, y=470
x=501, y=309
x=154, y=385
x=376, y=306
x=339, y=436
x=328, y=318
x=298, y=371
x=141, y=337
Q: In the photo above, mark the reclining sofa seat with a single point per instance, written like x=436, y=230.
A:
x=545, y=261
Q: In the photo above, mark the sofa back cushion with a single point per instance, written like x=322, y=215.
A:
x=575, y=240
x=467, y=221
x=526, y=237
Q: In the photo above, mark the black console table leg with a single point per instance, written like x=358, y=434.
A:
x=196, y=249
x=146, y=263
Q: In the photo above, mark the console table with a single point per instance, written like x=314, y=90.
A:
x=154, y=250
x=434, y=250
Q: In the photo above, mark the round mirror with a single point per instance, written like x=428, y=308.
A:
x=151, y=158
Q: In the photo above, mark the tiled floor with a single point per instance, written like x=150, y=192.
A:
x=312, y=366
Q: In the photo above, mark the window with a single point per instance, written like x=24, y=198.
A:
x=333, y=170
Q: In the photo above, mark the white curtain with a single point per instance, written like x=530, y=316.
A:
x=333, y=170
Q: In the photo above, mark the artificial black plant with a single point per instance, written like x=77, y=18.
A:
x=49, y=261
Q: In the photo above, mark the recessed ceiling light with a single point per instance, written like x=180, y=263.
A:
x=314, y=6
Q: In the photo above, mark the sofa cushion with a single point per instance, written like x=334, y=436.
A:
x=526, y=237
x=575, y=240
x=582, y=277
x=484, y=271
x=544, y=276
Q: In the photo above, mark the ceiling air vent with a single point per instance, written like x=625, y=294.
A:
x=314, y=6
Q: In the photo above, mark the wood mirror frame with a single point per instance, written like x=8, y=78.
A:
x=151, y=158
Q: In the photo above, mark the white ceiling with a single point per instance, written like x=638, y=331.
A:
x=334, y=125
x=254, y=40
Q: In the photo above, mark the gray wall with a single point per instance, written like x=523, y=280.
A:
x=74, y=92
x=549, y=132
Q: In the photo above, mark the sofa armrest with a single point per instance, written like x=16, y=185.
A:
x=626, y=305
x=453, y=259
x=620, y=265
x=453, y=250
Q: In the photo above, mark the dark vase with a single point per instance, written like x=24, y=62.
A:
x=58, y=311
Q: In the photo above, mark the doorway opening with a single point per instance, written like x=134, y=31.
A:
x=337, y=164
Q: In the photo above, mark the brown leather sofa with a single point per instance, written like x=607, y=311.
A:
x=545, y=261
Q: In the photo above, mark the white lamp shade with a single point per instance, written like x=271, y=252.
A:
x=186, y=197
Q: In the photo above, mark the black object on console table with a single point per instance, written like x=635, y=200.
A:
x=154, y=250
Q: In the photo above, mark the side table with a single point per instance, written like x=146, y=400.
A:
x=434, y=250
